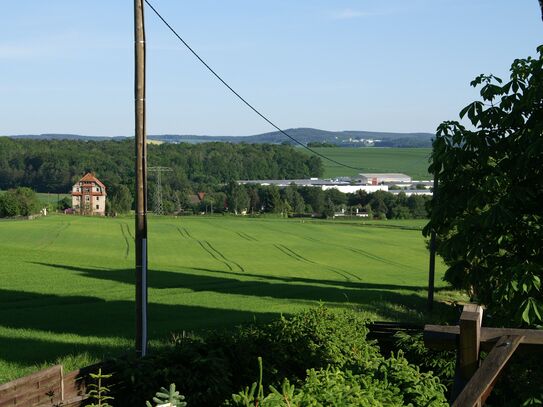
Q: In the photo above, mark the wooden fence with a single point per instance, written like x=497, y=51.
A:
x=48, y=387
x=474, y=380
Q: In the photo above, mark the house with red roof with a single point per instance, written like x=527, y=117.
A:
x=89, y=196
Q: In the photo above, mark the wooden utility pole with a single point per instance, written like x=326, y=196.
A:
x=141, y=181
x=432, y=268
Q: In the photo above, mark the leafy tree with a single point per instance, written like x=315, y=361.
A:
x=378, y=205
x=19, y=202
x=9, y=206
x=488, y=215
x=314, y=197
x=120, y=198
x=336, y=196
x=237, y=197
x=417, y=206
x=328, y=210
x=64, y=203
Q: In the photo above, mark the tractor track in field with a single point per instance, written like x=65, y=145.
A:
x=298, y=257
x=61, y=229
x=183, y=232
x=291, y=253
x=247, y=237
x=125, y=237
x=224, y=257
x=376, y=257
x=361, y=252
x=129, y=232
x=243, y=235
x=211, y=250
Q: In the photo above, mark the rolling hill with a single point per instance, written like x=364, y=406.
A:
x=346, y=138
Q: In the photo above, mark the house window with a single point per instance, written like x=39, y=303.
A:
x=97, y=206
x=87, y=198
x=97, y=198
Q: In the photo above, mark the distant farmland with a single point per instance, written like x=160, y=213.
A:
x=410, y=161
x=68, y=282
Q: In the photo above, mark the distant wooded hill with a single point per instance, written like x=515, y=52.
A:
x=54, y=165
x=346, y=138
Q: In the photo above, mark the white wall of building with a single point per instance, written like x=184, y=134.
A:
x=351, y=189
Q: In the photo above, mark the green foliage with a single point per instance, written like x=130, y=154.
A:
x=440, y=363
x=391, y=382
x=53, y=165
x=170, y=395
x=331, y=345
x=119, y=199
x=237, y=198
x=99, y=392
x=488, y=216
x=64, y=203
x=19, y=202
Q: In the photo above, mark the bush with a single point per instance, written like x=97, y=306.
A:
x=441, y=363
x=391, y=382
x=19, y=202
x=327, y=343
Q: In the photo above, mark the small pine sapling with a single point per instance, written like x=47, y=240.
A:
x=99, y=391
x=168, y=398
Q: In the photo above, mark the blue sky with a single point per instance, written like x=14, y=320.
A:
x=66, y=66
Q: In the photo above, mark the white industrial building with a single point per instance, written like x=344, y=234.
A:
x=369, y=182
x=382, y=178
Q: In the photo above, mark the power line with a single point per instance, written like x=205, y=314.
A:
x=241, y=98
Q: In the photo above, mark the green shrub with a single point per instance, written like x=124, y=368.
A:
x=441, y=363
x=289, y=346
x=201, y=373
x=393, y=382
x=315, y=349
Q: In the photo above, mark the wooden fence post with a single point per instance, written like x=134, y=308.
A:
x=468, y=346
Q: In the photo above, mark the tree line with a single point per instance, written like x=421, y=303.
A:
x=55, y=165
x=308, y=201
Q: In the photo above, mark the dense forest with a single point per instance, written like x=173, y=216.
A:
x=54, y=165
x=208, y=168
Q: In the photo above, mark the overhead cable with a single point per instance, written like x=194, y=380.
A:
x=241, y=98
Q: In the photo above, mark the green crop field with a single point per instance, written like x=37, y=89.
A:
x=49, y=198
x=410, y=161
x=68, y=282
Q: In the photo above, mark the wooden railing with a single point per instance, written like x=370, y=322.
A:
x=474, y=380
x=48, y=387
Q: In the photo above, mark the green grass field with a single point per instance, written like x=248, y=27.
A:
x=48, y=198
x=410, y=161
x=68, y=282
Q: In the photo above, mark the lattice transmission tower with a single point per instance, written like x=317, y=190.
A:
x=157, y=199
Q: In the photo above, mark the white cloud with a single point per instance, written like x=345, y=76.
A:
x=348, y=14
x=8, y=51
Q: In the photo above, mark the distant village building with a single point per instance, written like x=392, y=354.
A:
x=368, y=182
x=89, y=196
x=324, y=184
x=383, y=178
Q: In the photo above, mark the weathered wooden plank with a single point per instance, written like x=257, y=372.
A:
x=443, y=337
x=36, y=398
x=468, y=346
x=34, y=377
x=489, y=370
x=32, y=390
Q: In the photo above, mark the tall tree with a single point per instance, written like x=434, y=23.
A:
x=488, y=215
